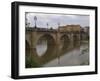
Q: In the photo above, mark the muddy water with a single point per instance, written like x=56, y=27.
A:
x=77, y=56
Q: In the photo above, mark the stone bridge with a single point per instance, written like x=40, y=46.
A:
x=57, y=42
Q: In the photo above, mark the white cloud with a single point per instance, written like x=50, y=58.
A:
x=54, y=19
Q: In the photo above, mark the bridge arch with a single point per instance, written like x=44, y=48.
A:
x=49, y=41
x=76, y=39
x=27, y=48
x=65, y=42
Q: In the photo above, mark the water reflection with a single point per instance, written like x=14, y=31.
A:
x=41, y=47
x=72, y=58
x=47, y=54
x=77, y=56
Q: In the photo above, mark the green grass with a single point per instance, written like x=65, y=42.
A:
x=30, y=63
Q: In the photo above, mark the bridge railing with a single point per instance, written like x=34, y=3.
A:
x=49, y=30
x=40, y=29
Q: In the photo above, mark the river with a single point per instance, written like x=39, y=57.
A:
x=77, y=56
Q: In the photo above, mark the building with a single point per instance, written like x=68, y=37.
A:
x=69, y=28
x=84, y=33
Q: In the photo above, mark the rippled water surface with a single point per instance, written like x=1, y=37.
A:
x=77, y=56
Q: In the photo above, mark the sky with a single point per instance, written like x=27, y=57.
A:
x=55, y=20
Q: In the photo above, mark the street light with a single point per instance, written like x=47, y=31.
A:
x=58, y=24
x=35, y=19
x=47, y=25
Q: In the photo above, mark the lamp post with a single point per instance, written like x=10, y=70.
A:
x=58, y=24
x=47, y=26
x=35, y=19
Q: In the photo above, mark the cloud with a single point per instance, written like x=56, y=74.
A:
x=54, y=19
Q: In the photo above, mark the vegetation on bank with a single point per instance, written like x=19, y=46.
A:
x=30, y=62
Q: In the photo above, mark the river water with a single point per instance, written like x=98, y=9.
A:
x=77, y=56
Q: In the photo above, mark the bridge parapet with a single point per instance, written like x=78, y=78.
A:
x=40, y=29
x=30, y=29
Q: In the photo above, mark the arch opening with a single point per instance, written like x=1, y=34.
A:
x=45, y=45
x=27, y=48
x=76, y=40
x=65, y=42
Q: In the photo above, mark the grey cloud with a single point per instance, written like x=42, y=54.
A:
x=54, y=19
